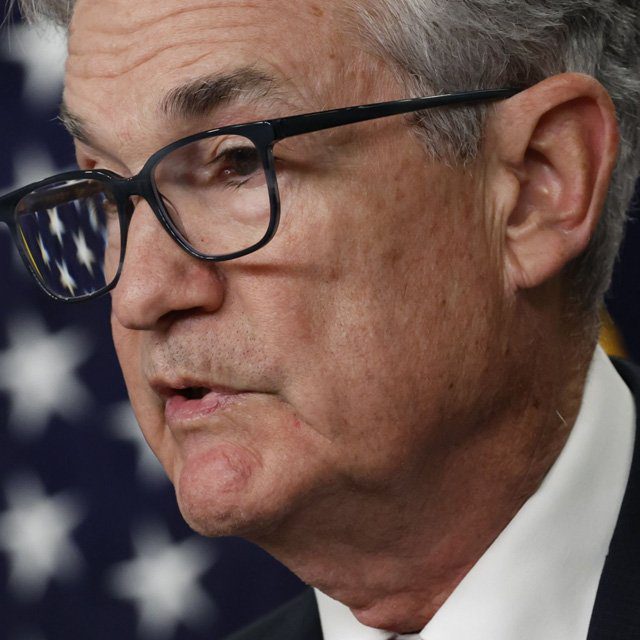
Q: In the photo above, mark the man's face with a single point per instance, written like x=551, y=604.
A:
x=347, y=355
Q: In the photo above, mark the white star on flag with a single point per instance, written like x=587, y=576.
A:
x=38, y=371
x=162, y=582
x=32, y=163
x=84, y=254
x=31, y=46
x=66, y=279
x=35, y=533
x=56, y=226
x=43, y=250
x=93, y=215
x=123, y=425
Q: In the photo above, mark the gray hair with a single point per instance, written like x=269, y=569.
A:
x=58, y=12
x=439, y=46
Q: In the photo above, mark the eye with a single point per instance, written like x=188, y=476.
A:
x=211, y=163
x=238, y=162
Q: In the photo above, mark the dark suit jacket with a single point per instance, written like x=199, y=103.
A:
x=616, y=613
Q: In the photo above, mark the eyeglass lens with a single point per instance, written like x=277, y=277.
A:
x=214, y=193
x=70, y=235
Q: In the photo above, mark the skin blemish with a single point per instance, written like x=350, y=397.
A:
x=316, y=11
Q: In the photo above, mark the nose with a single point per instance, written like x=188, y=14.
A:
x=159, y=278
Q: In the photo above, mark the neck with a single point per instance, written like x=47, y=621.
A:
x=396, y=556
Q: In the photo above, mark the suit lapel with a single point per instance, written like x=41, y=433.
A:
x=616, y=613
x=296, y=620
x=303, y=623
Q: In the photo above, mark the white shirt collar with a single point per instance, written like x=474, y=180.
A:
x=540, y=576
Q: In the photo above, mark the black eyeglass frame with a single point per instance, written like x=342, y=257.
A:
x=264, y=134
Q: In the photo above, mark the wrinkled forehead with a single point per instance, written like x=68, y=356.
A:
x=116, y=38
x=126, y=57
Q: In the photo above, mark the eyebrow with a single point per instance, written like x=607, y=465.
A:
x=74, y=124
x=204, y=94
x=196, y=98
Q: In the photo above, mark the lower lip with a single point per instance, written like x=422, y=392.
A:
x=179, y=409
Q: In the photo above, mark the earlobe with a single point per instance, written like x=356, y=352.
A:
x=559, y=141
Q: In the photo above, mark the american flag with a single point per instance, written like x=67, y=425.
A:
x=91, y=542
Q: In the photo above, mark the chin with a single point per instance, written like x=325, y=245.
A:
x=215, y=523
x=217, y=519
x=224, y=492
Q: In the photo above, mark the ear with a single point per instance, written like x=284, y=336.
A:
x=552, y=150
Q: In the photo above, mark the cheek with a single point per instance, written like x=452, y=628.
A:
x=388, y=319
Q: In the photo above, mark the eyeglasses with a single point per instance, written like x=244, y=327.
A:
x=215, y=193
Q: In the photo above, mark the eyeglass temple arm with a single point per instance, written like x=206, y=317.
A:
x=307, y=123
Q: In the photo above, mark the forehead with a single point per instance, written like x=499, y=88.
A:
x=125, y=57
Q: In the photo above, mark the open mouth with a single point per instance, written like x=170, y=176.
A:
x=193, y=393
x=187, y=403
x=184, y=402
